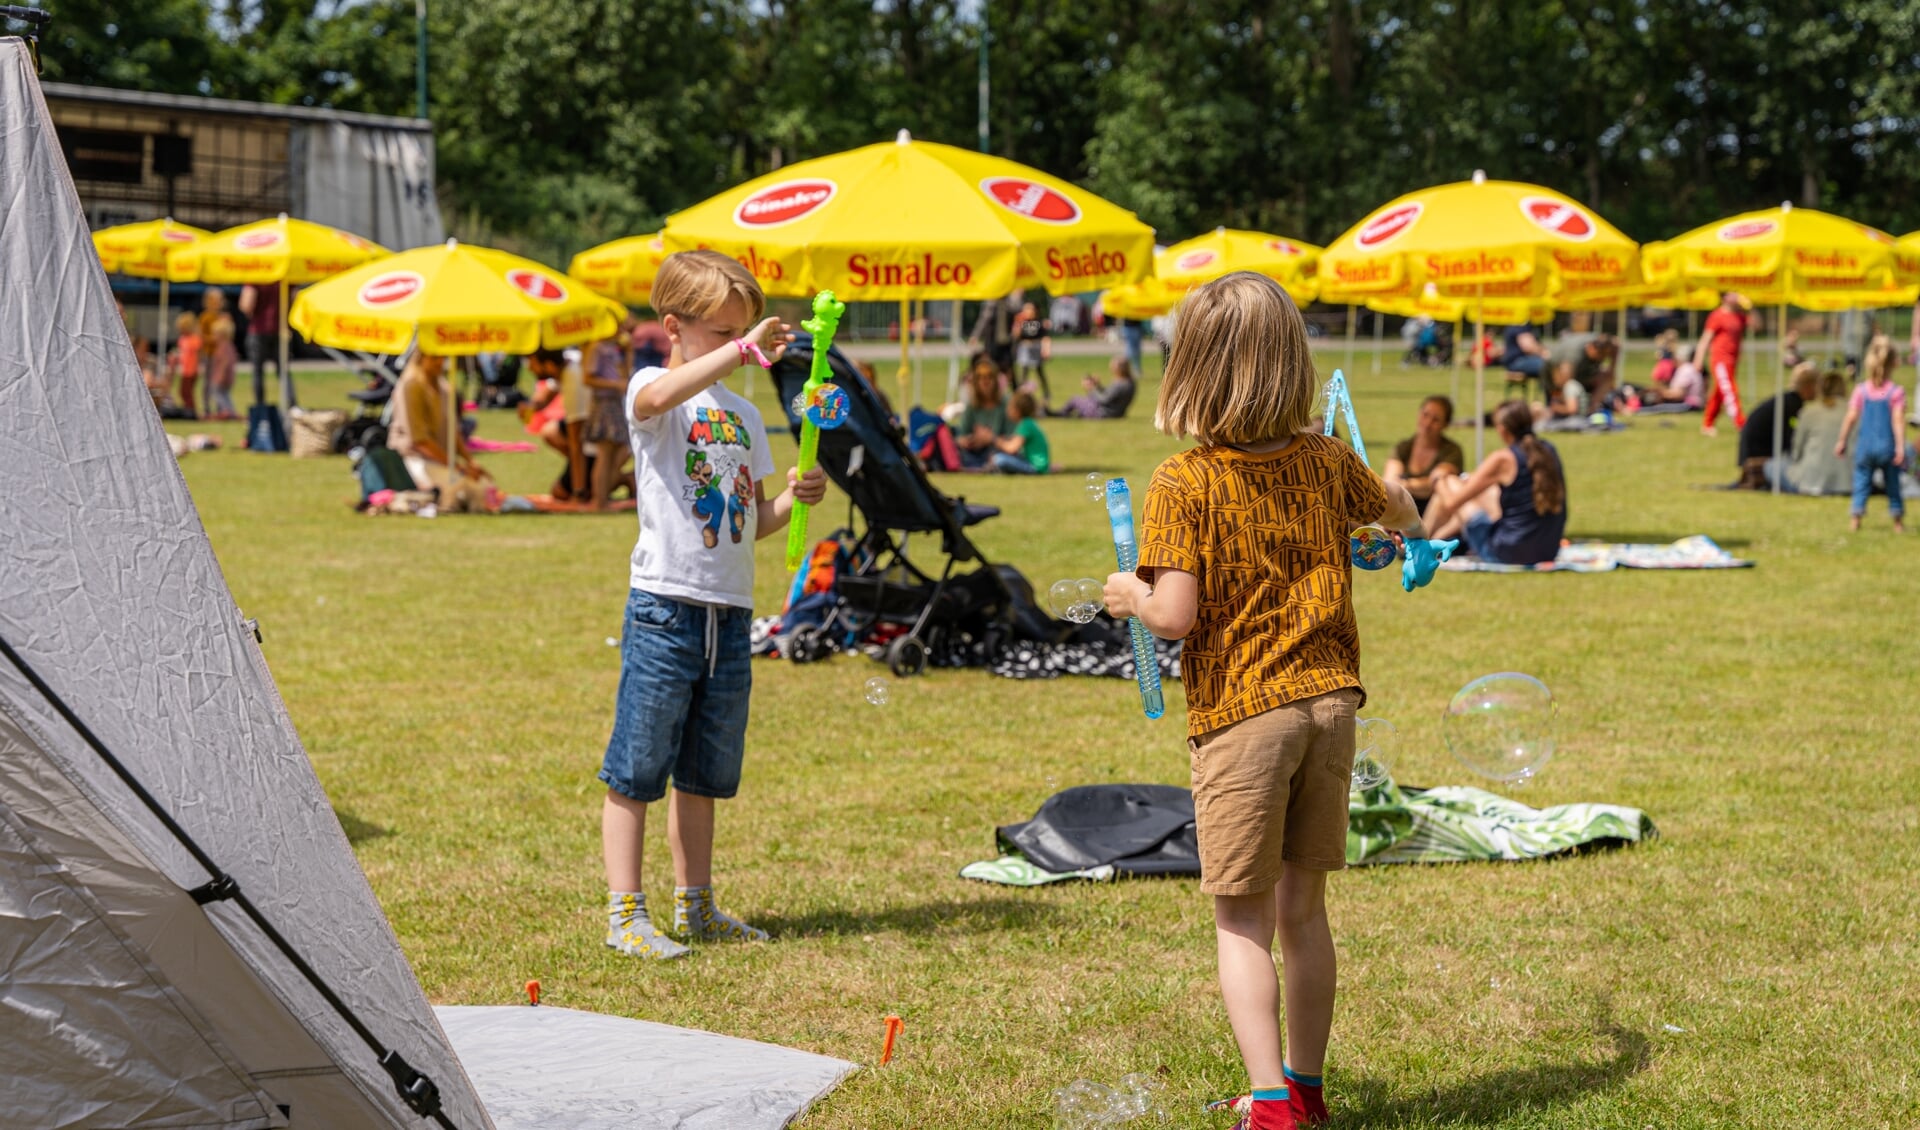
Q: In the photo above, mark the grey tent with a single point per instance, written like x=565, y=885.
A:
x=186, y=939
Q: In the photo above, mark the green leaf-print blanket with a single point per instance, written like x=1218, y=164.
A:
x=1448, y=824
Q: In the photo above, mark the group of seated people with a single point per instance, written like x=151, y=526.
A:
x=1575, y=373
x=994, y=427
x=1511, y=509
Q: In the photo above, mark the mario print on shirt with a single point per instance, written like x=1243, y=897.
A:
x=720, y=482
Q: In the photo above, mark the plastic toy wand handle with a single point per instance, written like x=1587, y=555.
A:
x=823, y=325
x=797, y=521
x=1146, y=664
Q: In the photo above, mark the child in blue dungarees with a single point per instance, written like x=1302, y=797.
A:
x=1879, y=407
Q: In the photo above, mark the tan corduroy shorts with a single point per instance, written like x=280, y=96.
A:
x=1273, y=788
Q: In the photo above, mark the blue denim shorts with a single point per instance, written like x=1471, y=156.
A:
x=685, y=677
x=1479, y=534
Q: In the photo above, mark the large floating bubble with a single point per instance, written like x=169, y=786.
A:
x=1097, y=487
x=1078, y=601
x=1375, y=744
x=1501, y=726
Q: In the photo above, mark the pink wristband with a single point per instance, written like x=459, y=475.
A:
x=751, y=352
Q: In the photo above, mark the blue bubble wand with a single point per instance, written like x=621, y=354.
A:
x=1371, y=547
x=1146, y=663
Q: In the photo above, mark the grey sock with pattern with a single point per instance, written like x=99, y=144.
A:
x=696, y=917
x=631, y=931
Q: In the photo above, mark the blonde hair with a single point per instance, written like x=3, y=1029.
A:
x=693, y=284
x=223, y=328
x=186, y=324
x=1239, y=371
x=1881, y=359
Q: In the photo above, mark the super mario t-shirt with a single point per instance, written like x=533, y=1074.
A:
x=695, y=470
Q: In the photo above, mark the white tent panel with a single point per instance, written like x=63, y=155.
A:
x=541, y=1067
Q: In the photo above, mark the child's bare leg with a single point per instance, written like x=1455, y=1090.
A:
x=690, y=835
x=623, y=829
x=606, y=465
x=1309, y=965
x=1243, y=927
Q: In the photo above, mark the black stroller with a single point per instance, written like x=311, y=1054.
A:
x=868, y=458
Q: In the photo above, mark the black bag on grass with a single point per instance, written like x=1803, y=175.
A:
x=1138, y=829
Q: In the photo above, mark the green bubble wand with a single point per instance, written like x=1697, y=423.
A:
x=821, y=404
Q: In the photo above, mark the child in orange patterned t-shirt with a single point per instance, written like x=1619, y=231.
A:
x=1245, y=555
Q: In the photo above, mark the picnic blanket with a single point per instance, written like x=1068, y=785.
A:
x=1697, y=552
x=1385, y=824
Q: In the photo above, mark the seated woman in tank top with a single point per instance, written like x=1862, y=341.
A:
x=1512, y=509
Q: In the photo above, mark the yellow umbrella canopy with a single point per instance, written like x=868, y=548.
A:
x=622, y=270
x=144, y=250
x=1289, y=262
x=1786, y=256
x=1148, y=298
x=1476, y=236
x=458, y=300
x=914, y=219
x=280, y=250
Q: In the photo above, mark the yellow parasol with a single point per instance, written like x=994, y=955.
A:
x=283, y=251
x=908, y=220
x=1289, y=262
x=1475, y=239
x=622, y=270
x=144, y=251
x=1790, y=256
x=458, y=301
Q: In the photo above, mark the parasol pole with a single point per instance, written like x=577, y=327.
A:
x=906, y=343
x=953, y=354
x=160, y=358
x=1479, y=375
x=1351, y=314
x=1377, y=320
x=286, y=374
x=1620, y=350
x=1780, y=394
x=919, y=343
x=1459, y=331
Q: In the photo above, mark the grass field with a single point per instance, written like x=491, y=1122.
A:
x=1754, y=966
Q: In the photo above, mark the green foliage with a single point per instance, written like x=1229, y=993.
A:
x=596, y=118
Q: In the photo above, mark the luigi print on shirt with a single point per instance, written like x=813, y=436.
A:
x=720, y=482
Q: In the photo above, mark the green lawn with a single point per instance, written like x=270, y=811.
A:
x=1752, y=967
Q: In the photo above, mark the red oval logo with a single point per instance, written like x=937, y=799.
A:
x=1558, y=217
x=255, y=240
x=1282, y=247
x=1746, y=229
x=536, y=285
x=172, y=236
x=1031, y=199
x=387, y=289
x=1388, y=225
x=1194, y=260
x=783, y=203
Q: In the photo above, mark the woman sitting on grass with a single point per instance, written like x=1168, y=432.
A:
x=1105, y=402
x=1427, y=456
x=1513, y=508
x=1024, y=452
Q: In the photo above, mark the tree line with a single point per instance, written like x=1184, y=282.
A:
x=573, y=121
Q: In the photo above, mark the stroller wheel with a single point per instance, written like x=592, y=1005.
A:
x=907, y=657
x=808, y=644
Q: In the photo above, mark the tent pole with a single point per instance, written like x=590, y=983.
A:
x=1479, y=377
x=286, y=374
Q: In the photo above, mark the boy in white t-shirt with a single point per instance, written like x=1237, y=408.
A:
x=700, y=468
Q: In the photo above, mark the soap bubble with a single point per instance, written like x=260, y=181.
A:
x=1373, y=548
x=1086, y=1105
x=879, y=691
x=612, y=642
x=1097, y=487
x=1078, y=601
x=1375, y=743
x=798, y=404
x=1501, y=726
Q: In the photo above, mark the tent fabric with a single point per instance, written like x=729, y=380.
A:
x=110, y=591
x=1136, y=829
x=376, y=183
x=544, y=1067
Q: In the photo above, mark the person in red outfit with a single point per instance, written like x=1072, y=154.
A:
x=1718, y=356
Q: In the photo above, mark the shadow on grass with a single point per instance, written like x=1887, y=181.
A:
x=946, y=916
x=1497, y=1097
x=358, y=830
